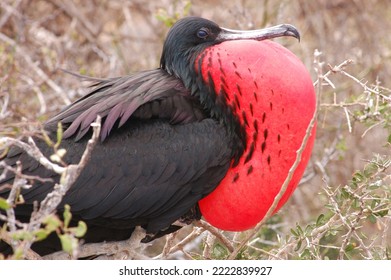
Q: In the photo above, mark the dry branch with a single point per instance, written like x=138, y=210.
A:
x=49, y=205
x=127, y=249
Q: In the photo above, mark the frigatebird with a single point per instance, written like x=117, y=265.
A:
x=172, y=135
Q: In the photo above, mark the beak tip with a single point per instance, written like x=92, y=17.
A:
x=292, y=31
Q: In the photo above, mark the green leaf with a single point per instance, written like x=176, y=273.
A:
x=374, y=203
x=344, y=193
x=80, y=230
x=18, y=254
x=350, y=247
x=41, y=234
x=305, y=254
x=219, y=251
x=59, y=135
x=356, y=203
x=295, y=233
x=299, y=230
x=22, y=235
x=52, y=223
x=372, y=218
x=382, y=213
x=4, y=204
x=358, y=176
x=68, y=243
x=341, y=146
x=47, y=139
x=321, y=220
x=308, y=229
x=67, y=216
x=298, y=246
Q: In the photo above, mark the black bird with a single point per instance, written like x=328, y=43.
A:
x=166, y=142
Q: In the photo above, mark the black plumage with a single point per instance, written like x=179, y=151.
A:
x=160, y=153
x=166, y=142
x=144, y=172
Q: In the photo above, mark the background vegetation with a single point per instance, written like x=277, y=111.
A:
x=341, y=210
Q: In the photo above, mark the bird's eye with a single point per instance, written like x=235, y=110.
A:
x=202, y=33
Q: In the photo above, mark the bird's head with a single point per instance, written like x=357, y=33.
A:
x=190, y=36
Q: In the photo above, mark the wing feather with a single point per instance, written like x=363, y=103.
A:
x=117, y=99
x=165, y=155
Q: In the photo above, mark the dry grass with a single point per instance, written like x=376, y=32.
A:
x=110, y=38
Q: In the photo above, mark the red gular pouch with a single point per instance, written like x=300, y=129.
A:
x=271, y=92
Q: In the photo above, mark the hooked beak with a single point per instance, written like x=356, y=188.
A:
x=259, y=34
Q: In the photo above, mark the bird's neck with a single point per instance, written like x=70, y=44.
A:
x=213, y=93
x=188, y=68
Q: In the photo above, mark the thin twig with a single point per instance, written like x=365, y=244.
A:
x=179, y=246
x=332, y=70
x=208, y=249
x=68, y=177
x=32, y=150
x=169, y=243
x=348, y=119
x=343, y=104
x=224, y=240
x=28, y=253
x=371, y=127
